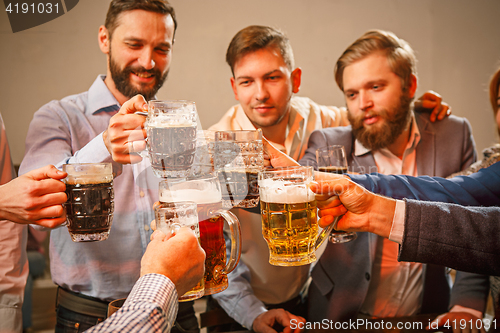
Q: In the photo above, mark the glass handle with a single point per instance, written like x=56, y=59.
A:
x=234, y=227
x=326, y=232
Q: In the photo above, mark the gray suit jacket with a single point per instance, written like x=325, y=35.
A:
x=342, y=275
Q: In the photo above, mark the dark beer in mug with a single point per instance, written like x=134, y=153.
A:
x=90, y=203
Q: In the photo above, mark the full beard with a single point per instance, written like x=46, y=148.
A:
x=121, y=78
x=387, y=132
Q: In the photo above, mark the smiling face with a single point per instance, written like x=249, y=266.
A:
x=139, y=53
x=264, y=85
x=379, y=109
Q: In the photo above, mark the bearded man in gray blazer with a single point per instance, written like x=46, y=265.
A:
x=363, y=278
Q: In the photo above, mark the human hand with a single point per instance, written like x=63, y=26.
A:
x=179, y=257
x=337, y=195
x=458, y=322
x=276, y=158
x=35, y=197
x=265, y=322
x=432, y=102
x=125, y=134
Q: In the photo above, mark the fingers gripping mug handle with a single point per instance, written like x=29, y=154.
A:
x=234, y=227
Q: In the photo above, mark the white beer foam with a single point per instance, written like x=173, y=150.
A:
x=282, y=191
x=205, y=196
x=178, y=119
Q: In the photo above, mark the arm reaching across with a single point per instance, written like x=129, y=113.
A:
x=170, y=266
x=432, y=102
x=35, y=197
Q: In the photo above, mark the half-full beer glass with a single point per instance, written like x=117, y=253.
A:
x=333, y=159
x=205, y=191
x=90, y=204
x=171, y=216
x=238, y=159
x=171, y=143
x=289, y=215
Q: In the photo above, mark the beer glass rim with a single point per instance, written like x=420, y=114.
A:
x=106, y=166
x=202, y=177
x=239, y=135
x=327, y=148
x=171, y=101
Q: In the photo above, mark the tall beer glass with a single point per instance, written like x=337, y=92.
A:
x=90, y=204
x=289, y=215
x=171, y=143
x=169, y=218
x=333, y=159
x=238, y=159
x=205, y=191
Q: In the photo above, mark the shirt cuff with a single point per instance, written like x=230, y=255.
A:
x=158, y=290
x=398, y=222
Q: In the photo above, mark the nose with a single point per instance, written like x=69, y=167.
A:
x=146, y=59
x=365, y=101
x=262, y=94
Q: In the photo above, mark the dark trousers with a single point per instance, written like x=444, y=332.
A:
x=71, y=321
x=296, y=306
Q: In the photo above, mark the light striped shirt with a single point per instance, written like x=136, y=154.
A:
x=151, y=307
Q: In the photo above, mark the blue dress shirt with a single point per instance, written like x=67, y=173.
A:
x=70, y=131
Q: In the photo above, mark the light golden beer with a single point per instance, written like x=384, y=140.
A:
x=289, y=215
x=290, y=230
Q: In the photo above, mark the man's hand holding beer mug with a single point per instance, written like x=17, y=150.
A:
x=125, y=134
x=35, y=197
x=184, y=273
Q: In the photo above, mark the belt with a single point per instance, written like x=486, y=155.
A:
x=79, y=303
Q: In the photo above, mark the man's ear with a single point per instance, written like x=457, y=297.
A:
x=412, y=89
x=235, y=91
x=296, y=79
x=104, y=39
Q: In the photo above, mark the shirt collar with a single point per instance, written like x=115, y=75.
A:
x=100, y=99
x=359, y=149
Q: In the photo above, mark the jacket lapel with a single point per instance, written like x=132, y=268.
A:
x=426, y=148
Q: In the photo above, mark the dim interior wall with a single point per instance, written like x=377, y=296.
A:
x=456, y=42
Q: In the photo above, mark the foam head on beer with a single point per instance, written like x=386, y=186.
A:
x=284, y=191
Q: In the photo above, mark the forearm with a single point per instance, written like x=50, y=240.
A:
x=151, y=306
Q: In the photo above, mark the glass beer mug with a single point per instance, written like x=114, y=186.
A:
x=171, y=216
x=171, y=137
x=90, y=203
x=238, y=159
x=289, y=216
x=206, y=192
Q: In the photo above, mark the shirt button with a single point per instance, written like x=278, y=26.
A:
x=141, y=194
x=146, y=227
x=367, y=276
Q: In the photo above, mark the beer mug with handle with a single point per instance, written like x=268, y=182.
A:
x=333, y=159
x=205, y=191
x=171, y=137
x=289, y=215
x=239, y=156
x=169, y=217
x=90, y=203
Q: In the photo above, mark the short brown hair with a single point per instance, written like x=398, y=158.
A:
x=494, y=84
x=116, y=7
x=257, y=37
x=400, y=55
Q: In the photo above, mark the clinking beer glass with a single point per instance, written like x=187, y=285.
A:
x=289, y=216
x=170, y=217
x=171, y=143
x=206, y=192
x=90, y=204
